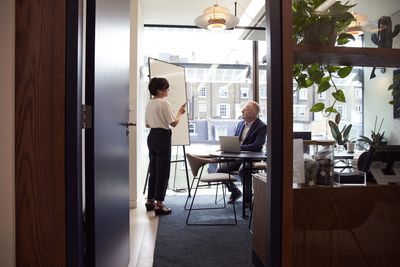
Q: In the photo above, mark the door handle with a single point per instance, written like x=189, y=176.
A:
x=127, y=124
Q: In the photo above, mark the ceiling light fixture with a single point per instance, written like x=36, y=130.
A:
x=216, y=18
x=355, y=27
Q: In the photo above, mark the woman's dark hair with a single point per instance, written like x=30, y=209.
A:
x=157, y=84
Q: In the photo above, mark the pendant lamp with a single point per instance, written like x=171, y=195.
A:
x=216, y=18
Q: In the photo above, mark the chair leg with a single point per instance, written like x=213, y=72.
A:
x=223, y=189
x=147, y=180
x=210, y=224
x=216, y=195
x=191, y=203
x=234, y=210
x=191, y=188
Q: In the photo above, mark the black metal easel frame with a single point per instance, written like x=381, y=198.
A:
x=173, y=161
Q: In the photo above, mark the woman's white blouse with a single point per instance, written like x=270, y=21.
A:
x=159, y=113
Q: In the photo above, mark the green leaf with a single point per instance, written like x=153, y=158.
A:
x=346, y=131
x=331, y=110
x=332, y=69
x=296, y=70
x=337, y=8
x=345, y=71
x=301, y=80
x=335, y=132
x=317, y=107
x=365, y=139
x=323, y=86
x=337, y=118
x=344, y=38
x=339, y=95
x=315, y=73
x=347, y=35
x=309, y=83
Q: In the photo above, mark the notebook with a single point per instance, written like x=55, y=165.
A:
x=230, y=144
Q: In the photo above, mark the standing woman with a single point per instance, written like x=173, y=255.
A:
x=159, y=117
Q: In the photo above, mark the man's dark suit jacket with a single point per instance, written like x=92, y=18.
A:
x=255, y=138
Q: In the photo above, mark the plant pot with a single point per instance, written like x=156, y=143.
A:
x=350, y=147
x=323, y=33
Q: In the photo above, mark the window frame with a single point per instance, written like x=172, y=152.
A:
x=202, y=89
x=303, y=94
x=227, y=110
x=244, y=91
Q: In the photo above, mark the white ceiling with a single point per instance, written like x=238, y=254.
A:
x=183, y=12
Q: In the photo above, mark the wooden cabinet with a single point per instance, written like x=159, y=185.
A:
x=346, y=226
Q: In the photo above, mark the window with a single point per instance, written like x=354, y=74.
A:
x=202, y=92
x=303, y=94
x=244, y=92
x=223, y=92
x=203, y=107
x=223, y=111
x=220, y=130
x=263, y=93
x=358, y=93
x=192, y=128
x=322, y=96
x=358, y=108
x=299, y=110
x=203, y=81
x=342, y=110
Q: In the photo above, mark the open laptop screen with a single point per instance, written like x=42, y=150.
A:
x=230, y=144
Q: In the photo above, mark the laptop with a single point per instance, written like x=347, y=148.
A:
x=229, y=144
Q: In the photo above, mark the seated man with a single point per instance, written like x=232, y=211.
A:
x=252, y=133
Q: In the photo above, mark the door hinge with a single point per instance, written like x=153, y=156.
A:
x=86, y=116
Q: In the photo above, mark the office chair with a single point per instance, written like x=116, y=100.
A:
x=201, y=179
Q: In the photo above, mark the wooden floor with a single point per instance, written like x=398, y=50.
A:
x=143, y=236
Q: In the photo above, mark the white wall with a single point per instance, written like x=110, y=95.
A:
x=135, y=161
x=376, y=97
x=7, y=207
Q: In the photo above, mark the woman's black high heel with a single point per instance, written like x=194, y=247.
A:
x=150, y=205
x=161, y=210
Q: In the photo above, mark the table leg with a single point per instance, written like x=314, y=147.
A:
x=246, y=189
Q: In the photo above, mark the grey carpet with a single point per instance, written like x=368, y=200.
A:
x=180, y=245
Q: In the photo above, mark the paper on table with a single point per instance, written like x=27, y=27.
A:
x=298, y=161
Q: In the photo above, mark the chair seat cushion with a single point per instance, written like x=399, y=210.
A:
x=258, y=165
x=217, y=177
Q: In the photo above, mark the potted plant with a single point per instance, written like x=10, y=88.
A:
x=377, y=137
x=334, y=19
x=341, y=136
x=307, y=22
